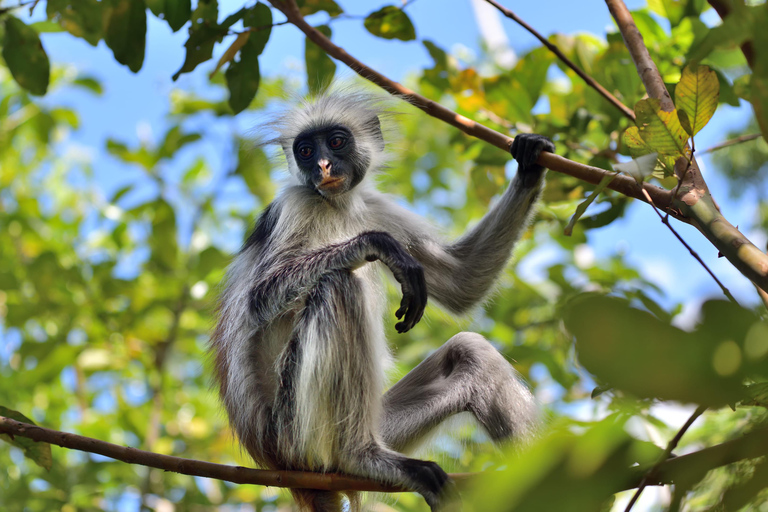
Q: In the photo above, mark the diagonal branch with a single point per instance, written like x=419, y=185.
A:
x=693, y=198
x=628, y=112
x=622, y=184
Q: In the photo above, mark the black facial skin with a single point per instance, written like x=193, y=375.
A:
x=336, y=145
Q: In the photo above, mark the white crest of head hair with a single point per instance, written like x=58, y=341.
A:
x=347, y=106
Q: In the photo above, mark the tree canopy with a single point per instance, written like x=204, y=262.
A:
x=108, y=279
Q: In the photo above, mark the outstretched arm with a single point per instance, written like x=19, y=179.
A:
x=461, y=273
x=291, y=280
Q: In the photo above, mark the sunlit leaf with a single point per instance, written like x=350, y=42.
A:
x=696, y=94
x=25, y=56
x=390, y=22
x=660, y=130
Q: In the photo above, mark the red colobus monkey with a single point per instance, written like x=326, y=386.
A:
x=300, y=348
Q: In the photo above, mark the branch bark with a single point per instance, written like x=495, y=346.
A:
x=693, y=198
x=683, y=468
x=234, y=474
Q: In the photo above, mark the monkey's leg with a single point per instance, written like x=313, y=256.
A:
x=465, y=374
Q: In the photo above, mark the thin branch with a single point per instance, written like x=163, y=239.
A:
x=622, y=184
x=664, y=456
x=628, y=112
x=684, y=467
x=665, y=221
x=234, y=474
x=732, y=142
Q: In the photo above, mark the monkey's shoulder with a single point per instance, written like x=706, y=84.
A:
x=264, y=228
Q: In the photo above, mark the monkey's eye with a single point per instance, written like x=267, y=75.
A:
x=337, y=142
x=305, y=151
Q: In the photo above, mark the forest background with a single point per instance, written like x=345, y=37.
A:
x=127, y=182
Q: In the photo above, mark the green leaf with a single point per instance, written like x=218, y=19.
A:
x=696, y=94
x=582, y=207
x=660, y=130
x=177, y=13
x=25, y=56
x=734, y=30
x=127, y=31
x=243, y=79
x=636, y=352
x=162, y=240
x=307, y=7
x=90, y=83
x=259, y=17
x=37, y=452
x=84, y=18
x=759, y=81
x=204, y=32
x=390, y=22
x=320, y=67
x=635, y=143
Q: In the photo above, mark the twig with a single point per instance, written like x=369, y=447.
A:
x=628, y=112
x=732, y=142
x=665, y=221
x=664, y=456
x=234, y=474
x=622, y=184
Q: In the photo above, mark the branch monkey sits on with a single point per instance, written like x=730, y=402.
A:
x=299, y=347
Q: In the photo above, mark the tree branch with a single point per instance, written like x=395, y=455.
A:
x=693, y=199
x=732, y=142
x=665, y=455
x=683, y=468
x=234, y=474
x=628, y=112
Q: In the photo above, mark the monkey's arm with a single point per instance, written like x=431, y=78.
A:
x=288, y=283
x=461, y=273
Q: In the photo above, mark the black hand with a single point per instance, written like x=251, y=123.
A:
x=411, y=278
x=408, y=272
x=526, y=149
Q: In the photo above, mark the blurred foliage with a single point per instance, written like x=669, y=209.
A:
x=107, y=295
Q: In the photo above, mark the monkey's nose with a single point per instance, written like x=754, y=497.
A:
x=325, y=167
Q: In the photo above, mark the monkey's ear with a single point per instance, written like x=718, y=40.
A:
x=374, y=125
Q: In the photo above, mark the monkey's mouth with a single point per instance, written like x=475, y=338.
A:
x=331, y=184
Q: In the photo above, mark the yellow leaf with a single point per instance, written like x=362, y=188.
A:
x=697, y=95
x=660, y=130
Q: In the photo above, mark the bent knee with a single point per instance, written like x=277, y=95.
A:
x=471, y=351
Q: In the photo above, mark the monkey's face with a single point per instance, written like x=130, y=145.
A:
x=329, y=159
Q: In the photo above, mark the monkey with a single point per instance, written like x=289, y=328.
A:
x=299, y=348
